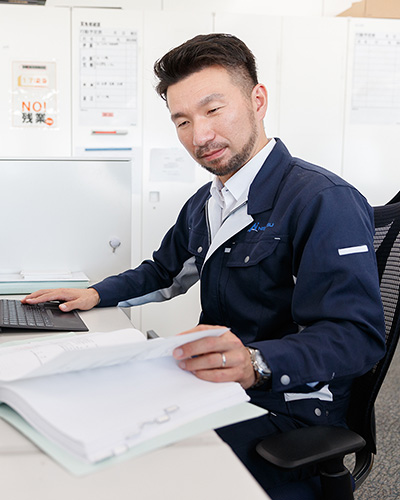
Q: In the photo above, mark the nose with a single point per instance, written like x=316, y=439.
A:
x=202, y=133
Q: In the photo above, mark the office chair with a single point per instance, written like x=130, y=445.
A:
x=326, y=446
x=395, y=199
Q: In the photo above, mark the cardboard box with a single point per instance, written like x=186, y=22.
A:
x=374, y=8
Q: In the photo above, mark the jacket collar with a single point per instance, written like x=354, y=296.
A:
x=265, y=185
x=261, y=197
x=264, y=188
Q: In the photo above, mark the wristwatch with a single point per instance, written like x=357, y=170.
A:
x=261, y=370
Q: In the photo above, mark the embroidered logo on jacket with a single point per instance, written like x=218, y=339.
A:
x=256, y=227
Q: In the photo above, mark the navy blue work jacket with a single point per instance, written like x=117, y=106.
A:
x=292, y=272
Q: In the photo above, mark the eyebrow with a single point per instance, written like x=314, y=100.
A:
x=203, y=102
x=210, y=98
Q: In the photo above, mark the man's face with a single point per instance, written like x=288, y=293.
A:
x=215, y=121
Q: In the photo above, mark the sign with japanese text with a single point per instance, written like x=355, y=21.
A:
x=34, y=102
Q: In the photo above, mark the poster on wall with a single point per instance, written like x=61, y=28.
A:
x=108, y=75
x=34, y=94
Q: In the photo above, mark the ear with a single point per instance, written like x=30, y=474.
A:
x=260, y=100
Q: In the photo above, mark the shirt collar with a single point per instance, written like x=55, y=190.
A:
x=238, y=185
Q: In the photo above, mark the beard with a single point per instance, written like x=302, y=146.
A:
x=217, y=167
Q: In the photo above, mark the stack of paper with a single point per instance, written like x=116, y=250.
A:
x=98, y=395
x=30, y=281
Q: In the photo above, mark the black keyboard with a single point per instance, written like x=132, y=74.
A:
x=17, y=314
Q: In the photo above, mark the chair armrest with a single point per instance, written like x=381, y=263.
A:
x=309, y=445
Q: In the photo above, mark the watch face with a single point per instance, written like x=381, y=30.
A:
x=262, y=366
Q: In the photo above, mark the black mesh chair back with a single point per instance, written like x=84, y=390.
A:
x=366, y=388
x=327, y=446
x=395, y=199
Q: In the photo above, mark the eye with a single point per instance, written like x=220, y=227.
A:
x=181, y=124
x=213, y=110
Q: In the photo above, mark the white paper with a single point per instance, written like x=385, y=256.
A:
x=171, y=165
x=376, y=77
x=97, y=414
x=95, y=350
x=108, y=75
x=112, y=391
x=39, y=276
x=227, y=416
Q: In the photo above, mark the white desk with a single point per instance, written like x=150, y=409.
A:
x=199, y=468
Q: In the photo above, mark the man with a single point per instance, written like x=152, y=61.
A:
x=283, y=250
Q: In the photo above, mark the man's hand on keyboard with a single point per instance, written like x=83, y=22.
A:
x=72, y=298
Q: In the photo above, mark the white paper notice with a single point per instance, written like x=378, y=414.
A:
x=376, y=78
x=171, y=165
x=108, y=75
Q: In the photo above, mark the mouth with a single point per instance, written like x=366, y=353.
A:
x=212, y=155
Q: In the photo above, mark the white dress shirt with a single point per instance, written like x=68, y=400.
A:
x=227, y=197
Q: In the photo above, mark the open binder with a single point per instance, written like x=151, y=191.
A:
x=99, y=395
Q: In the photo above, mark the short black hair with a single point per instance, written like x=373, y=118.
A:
x=203, y=51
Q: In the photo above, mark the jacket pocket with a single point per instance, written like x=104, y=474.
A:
x=198, y=246
x=250, y=253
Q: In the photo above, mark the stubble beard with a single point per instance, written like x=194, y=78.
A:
x=235, y=163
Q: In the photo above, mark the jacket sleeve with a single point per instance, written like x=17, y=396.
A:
x=336, y=299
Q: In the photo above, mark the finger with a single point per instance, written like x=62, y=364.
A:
x=70, y=305
x=225, y=342
x=215, y=360
x=227, y=375
x=226, y=366
x=84, y=300
x=199, y=347
x=42, y=296
x=35, y=294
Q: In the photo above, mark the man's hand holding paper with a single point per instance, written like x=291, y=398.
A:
x=216, y=359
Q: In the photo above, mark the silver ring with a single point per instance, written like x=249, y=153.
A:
x=223, y=360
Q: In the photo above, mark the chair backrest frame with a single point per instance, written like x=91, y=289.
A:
x=361, y=416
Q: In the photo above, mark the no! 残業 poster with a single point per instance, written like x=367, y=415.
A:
x=34, y=102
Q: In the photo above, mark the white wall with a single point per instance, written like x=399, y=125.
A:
x=305, y=58
x=270, y=7
x=26, y=36
x=60, y=214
